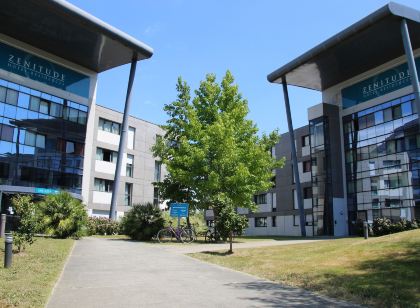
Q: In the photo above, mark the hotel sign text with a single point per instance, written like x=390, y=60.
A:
x=30, y=66
x=378, y=85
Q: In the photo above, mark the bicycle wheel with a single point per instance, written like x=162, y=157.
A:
x=165, y=236
x=208, y=237
x=190, y=236
x=184, y=237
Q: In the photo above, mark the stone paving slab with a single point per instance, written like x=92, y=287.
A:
x=122, y=273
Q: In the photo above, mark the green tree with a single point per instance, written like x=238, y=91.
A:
x=62, y=215
x=211, y=149
x=25, y=208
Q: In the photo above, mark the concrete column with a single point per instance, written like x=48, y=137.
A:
x=294, y=158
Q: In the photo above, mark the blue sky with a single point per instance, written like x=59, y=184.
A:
x=250, y=38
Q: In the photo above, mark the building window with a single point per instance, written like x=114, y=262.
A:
x=296, y=220
x=129, y=166
x=131, y=137
x=307, y=166
x=34, y=140
x=307, y=193
x=106, y=155
x=7, y=132
x=260, y=222
x=305, y=141
x=156, y=196
x=158, y=167
x=260, y=199
x=109, y=126
x=273, y=221
x=103, y=185
x=128, y=197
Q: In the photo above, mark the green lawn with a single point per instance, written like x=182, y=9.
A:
x=383, y=271
x=28, y=283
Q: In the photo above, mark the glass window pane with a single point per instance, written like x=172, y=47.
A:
x=9, y=111
x=7, y=132
x=82, y=117
x=40, y=141
x=107, y=126
x=396, y=112
x=73, y=116
x=3, y=94
x=34, y=103
x=131, y=136
x=56, y=110
x=23, y=100
x=21, y=114
x=69, y=147
x=99, y=154
x=43, y=107
x=30, y=138
x=12, y=97
x=115, y=128
x=387, y=114
x=406, y=109
x=379, y=117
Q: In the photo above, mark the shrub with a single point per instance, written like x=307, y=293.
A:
x=102, y=226
x=196, y=220
x=383, y=226
x=229, y=221
x=142, y=222
x=28, y=221
x=62, y=215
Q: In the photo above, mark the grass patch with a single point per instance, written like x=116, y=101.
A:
x=28, y=283
x=382, y=271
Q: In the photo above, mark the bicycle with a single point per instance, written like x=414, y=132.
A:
x=170, y=234
x=211, y=236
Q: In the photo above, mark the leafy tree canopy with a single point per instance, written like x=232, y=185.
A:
x=213, y=153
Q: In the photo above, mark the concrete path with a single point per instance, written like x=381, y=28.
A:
x=120, y=273
x=193, y=248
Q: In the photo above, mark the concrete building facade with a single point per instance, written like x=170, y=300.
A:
x=140, y=170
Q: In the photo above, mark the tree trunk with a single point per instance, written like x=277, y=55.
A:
x=231, y=242
x=188, y=221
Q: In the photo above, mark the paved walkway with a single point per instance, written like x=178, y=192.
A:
x=120, y=273
x=193, y=248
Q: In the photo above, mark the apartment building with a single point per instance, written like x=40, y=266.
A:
x=140, y=169
x=364, y=138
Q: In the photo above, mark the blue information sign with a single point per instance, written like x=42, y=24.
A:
x=45, y=191
x=179, y=209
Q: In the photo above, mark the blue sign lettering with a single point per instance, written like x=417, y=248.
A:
x=179, y=209
x=46, y=191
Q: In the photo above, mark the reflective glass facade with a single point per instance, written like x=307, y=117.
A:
x=42, y=139
x=321, y=177
x=382, y=159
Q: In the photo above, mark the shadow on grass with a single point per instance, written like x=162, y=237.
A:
x=218, y=253
x=389, y=280
x=392, y=280
x=270, y=294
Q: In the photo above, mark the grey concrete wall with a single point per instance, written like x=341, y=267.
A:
x=144, y=162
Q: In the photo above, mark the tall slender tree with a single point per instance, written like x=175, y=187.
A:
x=212, y=150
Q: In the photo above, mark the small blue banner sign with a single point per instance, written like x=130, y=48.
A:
x=30, y=66
x=179, y=209
x=46, y=191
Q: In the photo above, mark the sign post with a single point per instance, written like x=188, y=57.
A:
x=179, y=210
